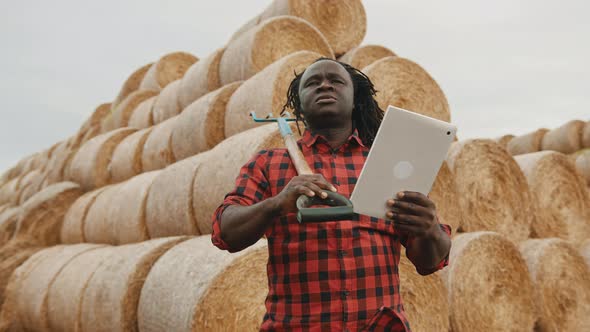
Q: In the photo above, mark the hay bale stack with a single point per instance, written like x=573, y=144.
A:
x=98, y=228
x=122, y=113
x=168, y=69
x=424, y=297
x=565, y=139
x=169, y=207
x=201, y=125
x=582, y=161
x=61, y=159
x=126, y=161
x=527, y=143
x=265, y=92
x=561, y=281
x=89, y=167
x=559, y=189
x=142, y=116
x=491, y=294
x=111, y=298
x=444, y=194
x=132, y=83
x=214, y=179
x=343, y=23
x=157, y=150
x=403, y=83
x=72, y=230
x=202, y=77
x=31, y=185
x=166, y=104
x=362, y=56
x=493, y=192
x=12, y=255
x=210, y=289
x=8, y=220
x=266, y=43
x=32, y=299
x=586, y=135
x=92, y=126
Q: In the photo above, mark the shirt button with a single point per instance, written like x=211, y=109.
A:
x=344, y=294
x=341, y=253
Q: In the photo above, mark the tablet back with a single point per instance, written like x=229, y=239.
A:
x=406, y=155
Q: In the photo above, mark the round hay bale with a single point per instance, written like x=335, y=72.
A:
x=504, y=140
x=585, y=250
x=111, y=298
x=169, y=208
x=586, y=135
x=60, y=159
x=168, y=69
x=201, y=78
x=559, y=189
x=89, y=167
x=92, y=126
x=8, y=220
x=266, y=43
x=66, y=292
x=424, y=298
x=166, y=104
x=561, y=281
x=489, y=287
x=403, y=83
x=362, y=56
x=4, y=207
x=493, y=192
x=565, y=139
x=108, y=123
x=12, y=255
x=8, y=192
x=122, y=113
x=30, y=185
x=132, y=83
x=157, y=150
x=444, y=194
x=98, y=228
x=126, y=161
x=265, y=92
x=582, y=161
x=72, y=230
x=32, y=300
x=142, y=116
x=178, y=301
x=528, y=143
x=201, y=125
x=215, y=179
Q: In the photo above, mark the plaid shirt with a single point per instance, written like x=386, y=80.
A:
x=326, y=276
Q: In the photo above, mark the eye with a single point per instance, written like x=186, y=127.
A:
x=311, y=83
x=338, y=81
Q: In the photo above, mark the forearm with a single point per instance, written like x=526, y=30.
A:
x=429, y=250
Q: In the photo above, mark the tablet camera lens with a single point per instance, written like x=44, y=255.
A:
x=448, y=132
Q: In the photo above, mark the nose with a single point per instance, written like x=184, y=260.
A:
x=325, y=84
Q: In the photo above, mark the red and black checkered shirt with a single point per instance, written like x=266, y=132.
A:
x=325, y=276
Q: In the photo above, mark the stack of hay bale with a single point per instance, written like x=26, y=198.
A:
x=91, y=227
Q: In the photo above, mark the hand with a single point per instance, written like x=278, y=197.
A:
x=309, y=185
x=414, y=213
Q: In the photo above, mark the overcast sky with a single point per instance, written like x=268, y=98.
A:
x=505, y=66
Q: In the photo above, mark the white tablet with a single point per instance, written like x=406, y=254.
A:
x=406, y=155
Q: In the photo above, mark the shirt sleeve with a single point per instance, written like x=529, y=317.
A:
x=251, y=187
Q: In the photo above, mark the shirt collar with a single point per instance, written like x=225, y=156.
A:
x=310, y=138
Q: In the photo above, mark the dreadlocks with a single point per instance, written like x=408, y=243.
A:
x=366, y=115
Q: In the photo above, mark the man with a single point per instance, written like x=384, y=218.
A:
x=336, y=275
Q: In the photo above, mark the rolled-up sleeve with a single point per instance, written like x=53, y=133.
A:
x=407, y=240
x=251, y=187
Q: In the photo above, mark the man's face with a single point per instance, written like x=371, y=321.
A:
x=326, y=94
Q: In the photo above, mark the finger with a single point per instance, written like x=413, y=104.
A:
x=411, y=229
x=410, y=208
x=321, y=181
x=416, y=198
x=304, y=190
x=316, y=189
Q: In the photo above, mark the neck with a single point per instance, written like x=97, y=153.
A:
x=336, y=136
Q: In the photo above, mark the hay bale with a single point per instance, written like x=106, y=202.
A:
x=111, y=298
x=168, y=69
x=214, y=179
x=266, y=43
x=582, y=161
x=166, y=104
x=527, y=143
x=12, y=255
x=586, y=135
x=30, y=185
x=8, y=192
x=157, y=150
x=132, y=83
x=504, y=140
x=424, y=297
x=32, y=300
x=59, y=161
x=185, y=301
x=66, y=292
x=8, y=219
x=122, y=113
x=561, y=281
x=92, y=126
x=343, y=23
x=585, y=251
x=169, y=208
x=403, y=83
x=265, y=92
x=489, y=287
x=565, y=139
x=72, y=230
x=89, y=167
x=493, y=192
x=202, y=77
x=201, y=125
x=142, y=116
x=98, y=228
x=444, y=194
x=560, y=190
x=362, y=56
x=126, y=161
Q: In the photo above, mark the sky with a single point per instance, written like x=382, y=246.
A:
x=505, y=66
